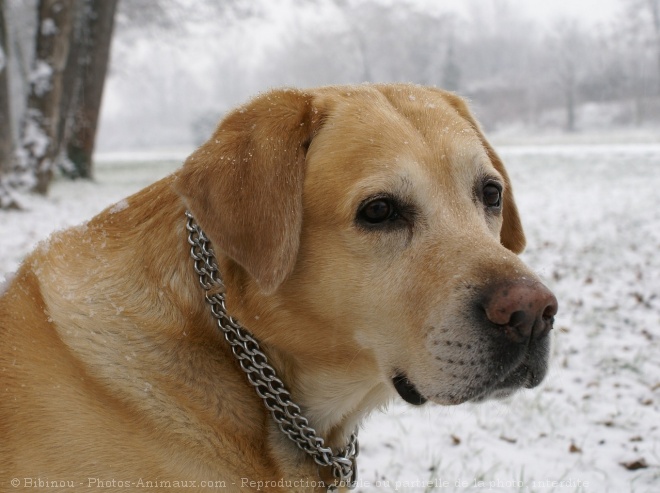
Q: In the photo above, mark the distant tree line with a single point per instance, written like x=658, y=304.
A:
x=511, y=67
x=515, y=70
x=519, y=72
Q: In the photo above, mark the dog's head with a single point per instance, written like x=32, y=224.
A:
x=376, y=220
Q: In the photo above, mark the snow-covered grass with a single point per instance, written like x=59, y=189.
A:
x=592, y=217
x=71, y=203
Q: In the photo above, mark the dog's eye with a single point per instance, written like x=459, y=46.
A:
x=492, y=196
x=377, y=211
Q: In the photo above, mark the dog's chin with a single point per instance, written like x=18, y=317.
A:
x=523, y=377
x=496, y=394
x=409, y=393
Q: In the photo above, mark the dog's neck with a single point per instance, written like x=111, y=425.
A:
x=333, y=402
x=334, y=398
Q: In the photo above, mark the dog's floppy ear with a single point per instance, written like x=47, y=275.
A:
x=244, y=186
x=512, y=235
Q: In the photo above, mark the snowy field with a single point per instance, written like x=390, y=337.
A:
x=592, y=217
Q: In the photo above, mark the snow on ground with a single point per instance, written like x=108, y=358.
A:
x=71, y=203
x=592, y=217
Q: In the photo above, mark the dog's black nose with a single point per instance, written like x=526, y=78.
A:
x=522, y=308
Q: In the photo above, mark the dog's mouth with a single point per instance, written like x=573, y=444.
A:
x=407, y=390
x=504, y=380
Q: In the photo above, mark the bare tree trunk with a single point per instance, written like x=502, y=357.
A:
x=6, y=144
x=451, y=71
x=39, y=134
x=568, y=79
x=7, y=201
x=97, y=27
x=655, y=14
x=569, y=53
x=570, y=107
x=639, y=110
x=71, y=81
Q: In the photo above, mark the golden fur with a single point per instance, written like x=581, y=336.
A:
x=111, y=367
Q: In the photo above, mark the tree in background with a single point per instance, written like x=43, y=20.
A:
x=654, y=7
x=637, y=38
x=39, y=131
x=570, y=50
x=89, y=68
x=66, y=80
x=6, y=142
x=451, y=70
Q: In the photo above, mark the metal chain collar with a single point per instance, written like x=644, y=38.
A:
x=262, y=376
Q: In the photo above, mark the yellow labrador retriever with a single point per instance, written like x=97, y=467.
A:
x=350, y=244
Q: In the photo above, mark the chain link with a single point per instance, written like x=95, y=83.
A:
x=261, y=375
